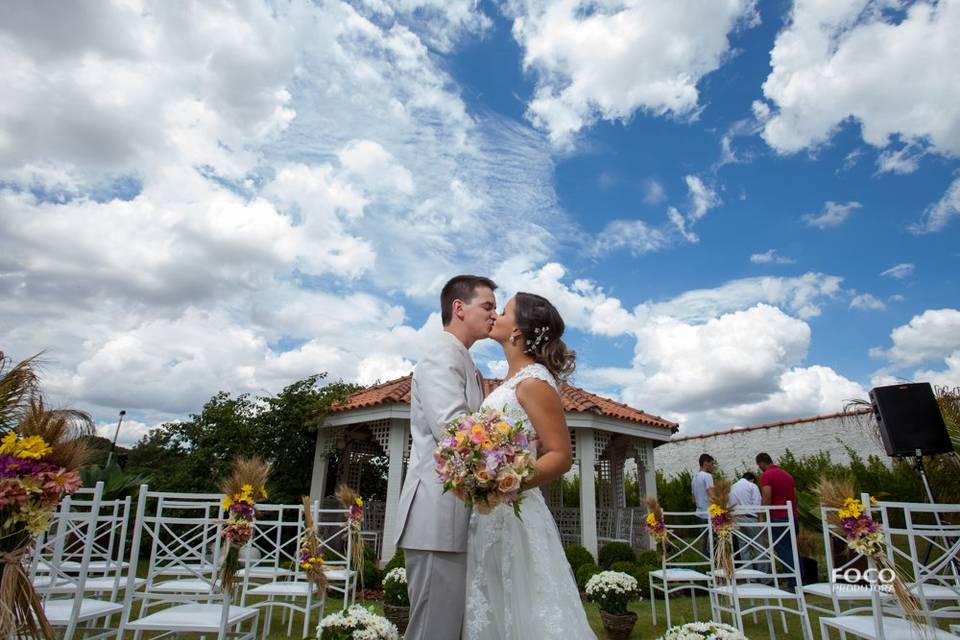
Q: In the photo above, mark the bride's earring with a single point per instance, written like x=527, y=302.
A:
x=513, y=340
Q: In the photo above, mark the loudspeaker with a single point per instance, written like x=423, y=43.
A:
x=910, y=419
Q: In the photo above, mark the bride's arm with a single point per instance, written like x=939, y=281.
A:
x=543, y=406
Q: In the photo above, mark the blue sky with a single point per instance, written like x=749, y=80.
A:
x=745, y=211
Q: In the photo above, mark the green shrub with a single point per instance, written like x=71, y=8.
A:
x=396, y=561
x=585, y=572
x=650, y=558
x=372, y=575
x=616, y=552
x=577, y=556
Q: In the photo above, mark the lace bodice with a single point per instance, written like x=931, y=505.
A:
x=504, y=397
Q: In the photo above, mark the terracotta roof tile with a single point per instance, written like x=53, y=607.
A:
x=575, y=399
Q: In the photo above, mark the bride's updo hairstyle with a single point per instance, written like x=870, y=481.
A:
x=542, y=328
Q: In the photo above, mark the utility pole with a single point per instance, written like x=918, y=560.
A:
x=113, y=445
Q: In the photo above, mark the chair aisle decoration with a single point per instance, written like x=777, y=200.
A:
x=351, y=500
x=245, y=485
x=723, y=522
x=39, y=459
x=656, y=527
x=311, y=551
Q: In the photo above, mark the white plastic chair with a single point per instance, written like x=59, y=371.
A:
x=840, y=594
x=106, y=571
x=177, y=527
x=72, y=539
x=928, y=543
x=747, y=583
x=277, y=538
x=684, y=566
x=333, y=532
x=883, y=619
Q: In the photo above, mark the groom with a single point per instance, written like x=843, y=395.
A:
x=433, y=525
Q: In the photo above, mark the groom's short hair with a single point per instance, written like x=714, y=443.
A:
x=463, y=287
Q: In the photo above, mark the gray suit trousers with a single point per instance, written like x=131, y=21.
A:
x=436, y=583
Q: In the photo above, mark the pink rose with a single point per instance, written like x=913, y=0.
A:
x=508, y=482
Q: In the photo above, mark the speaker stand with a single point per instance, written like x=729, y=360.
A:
x=918, y=465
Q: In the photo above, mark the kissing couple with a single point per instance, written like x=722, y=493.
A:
x=489, y=576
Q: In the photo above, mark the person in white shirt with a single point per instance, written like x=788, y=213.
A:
x=745, y=493
x=701, y=497
x=701, y=485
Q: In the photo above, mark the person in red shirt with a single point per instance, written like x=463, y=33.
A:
x=778, y=488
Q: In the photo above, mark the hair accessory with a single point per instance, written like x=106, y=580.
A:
x=540, y=335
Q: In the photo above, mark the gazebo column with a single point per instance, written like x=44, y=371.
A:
x=398, y=441
x=588, y=497
x=649, y=472
x=319, y=478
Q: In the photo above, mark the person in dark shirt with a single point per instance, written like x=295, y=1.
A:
x=778, y=488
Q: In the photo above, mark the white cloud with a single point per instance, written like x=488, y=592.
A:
x=640, y=237
x=900, y=271
x=867, y=302
x=931, y=335
x=607, y=61
x=939, y=214
x=237, y=196
x=653, y=192
x=770, y=256
x=889, y=67
x=833, y=214
x=131, y=431
x=904, y=160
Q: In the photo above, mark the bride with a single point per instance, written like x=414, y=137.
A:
x=519, y=584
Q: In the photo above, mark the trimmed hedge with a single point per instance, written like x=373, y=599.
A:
x=649, y=558
x=616, y=552
x=397, y=561
x=577, y=556
x=584, y=573
x=637, y=571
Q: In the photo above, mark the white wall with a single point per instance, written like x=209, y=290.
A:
x=735, y=451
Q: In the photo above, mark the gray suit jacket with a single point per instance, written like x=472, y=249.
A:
x=446, y=384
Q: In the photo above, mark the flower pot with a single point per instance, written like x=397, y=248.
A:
x=618, y=626
x=399, y=616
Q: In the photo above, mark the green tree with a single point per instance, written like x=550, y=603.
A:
x=195, y=454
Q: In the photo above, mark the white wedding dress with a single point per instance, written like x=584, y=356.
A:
x=519, y=584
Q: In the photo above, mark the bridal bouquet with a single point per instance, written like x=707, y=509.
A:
x=484, y=458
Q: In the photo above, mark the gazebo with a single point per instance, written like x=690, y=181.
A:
x=604, y=434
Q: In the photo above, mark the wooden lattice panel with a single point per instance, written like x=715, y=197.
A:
x=601, y=439
x=603, y=475
x=573, y=443
x=381, y=433
x=568, y=523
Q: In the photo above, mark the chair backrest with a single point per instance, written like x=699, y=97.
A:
x=67, y=573
x=183, y=534
x=333, y=533
x=761, y=537
x=926, y=547
x=275, y=544
x=688, y=536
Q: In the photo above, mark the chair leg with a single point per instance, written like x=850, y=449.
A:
x=693, y=598
x=653, y=601
x=770, y=630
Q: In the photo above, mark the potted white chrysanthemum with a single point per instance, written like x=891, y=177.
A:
x=703, y=631
x=613, y=591
x=356, y=622
x=396, y=602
